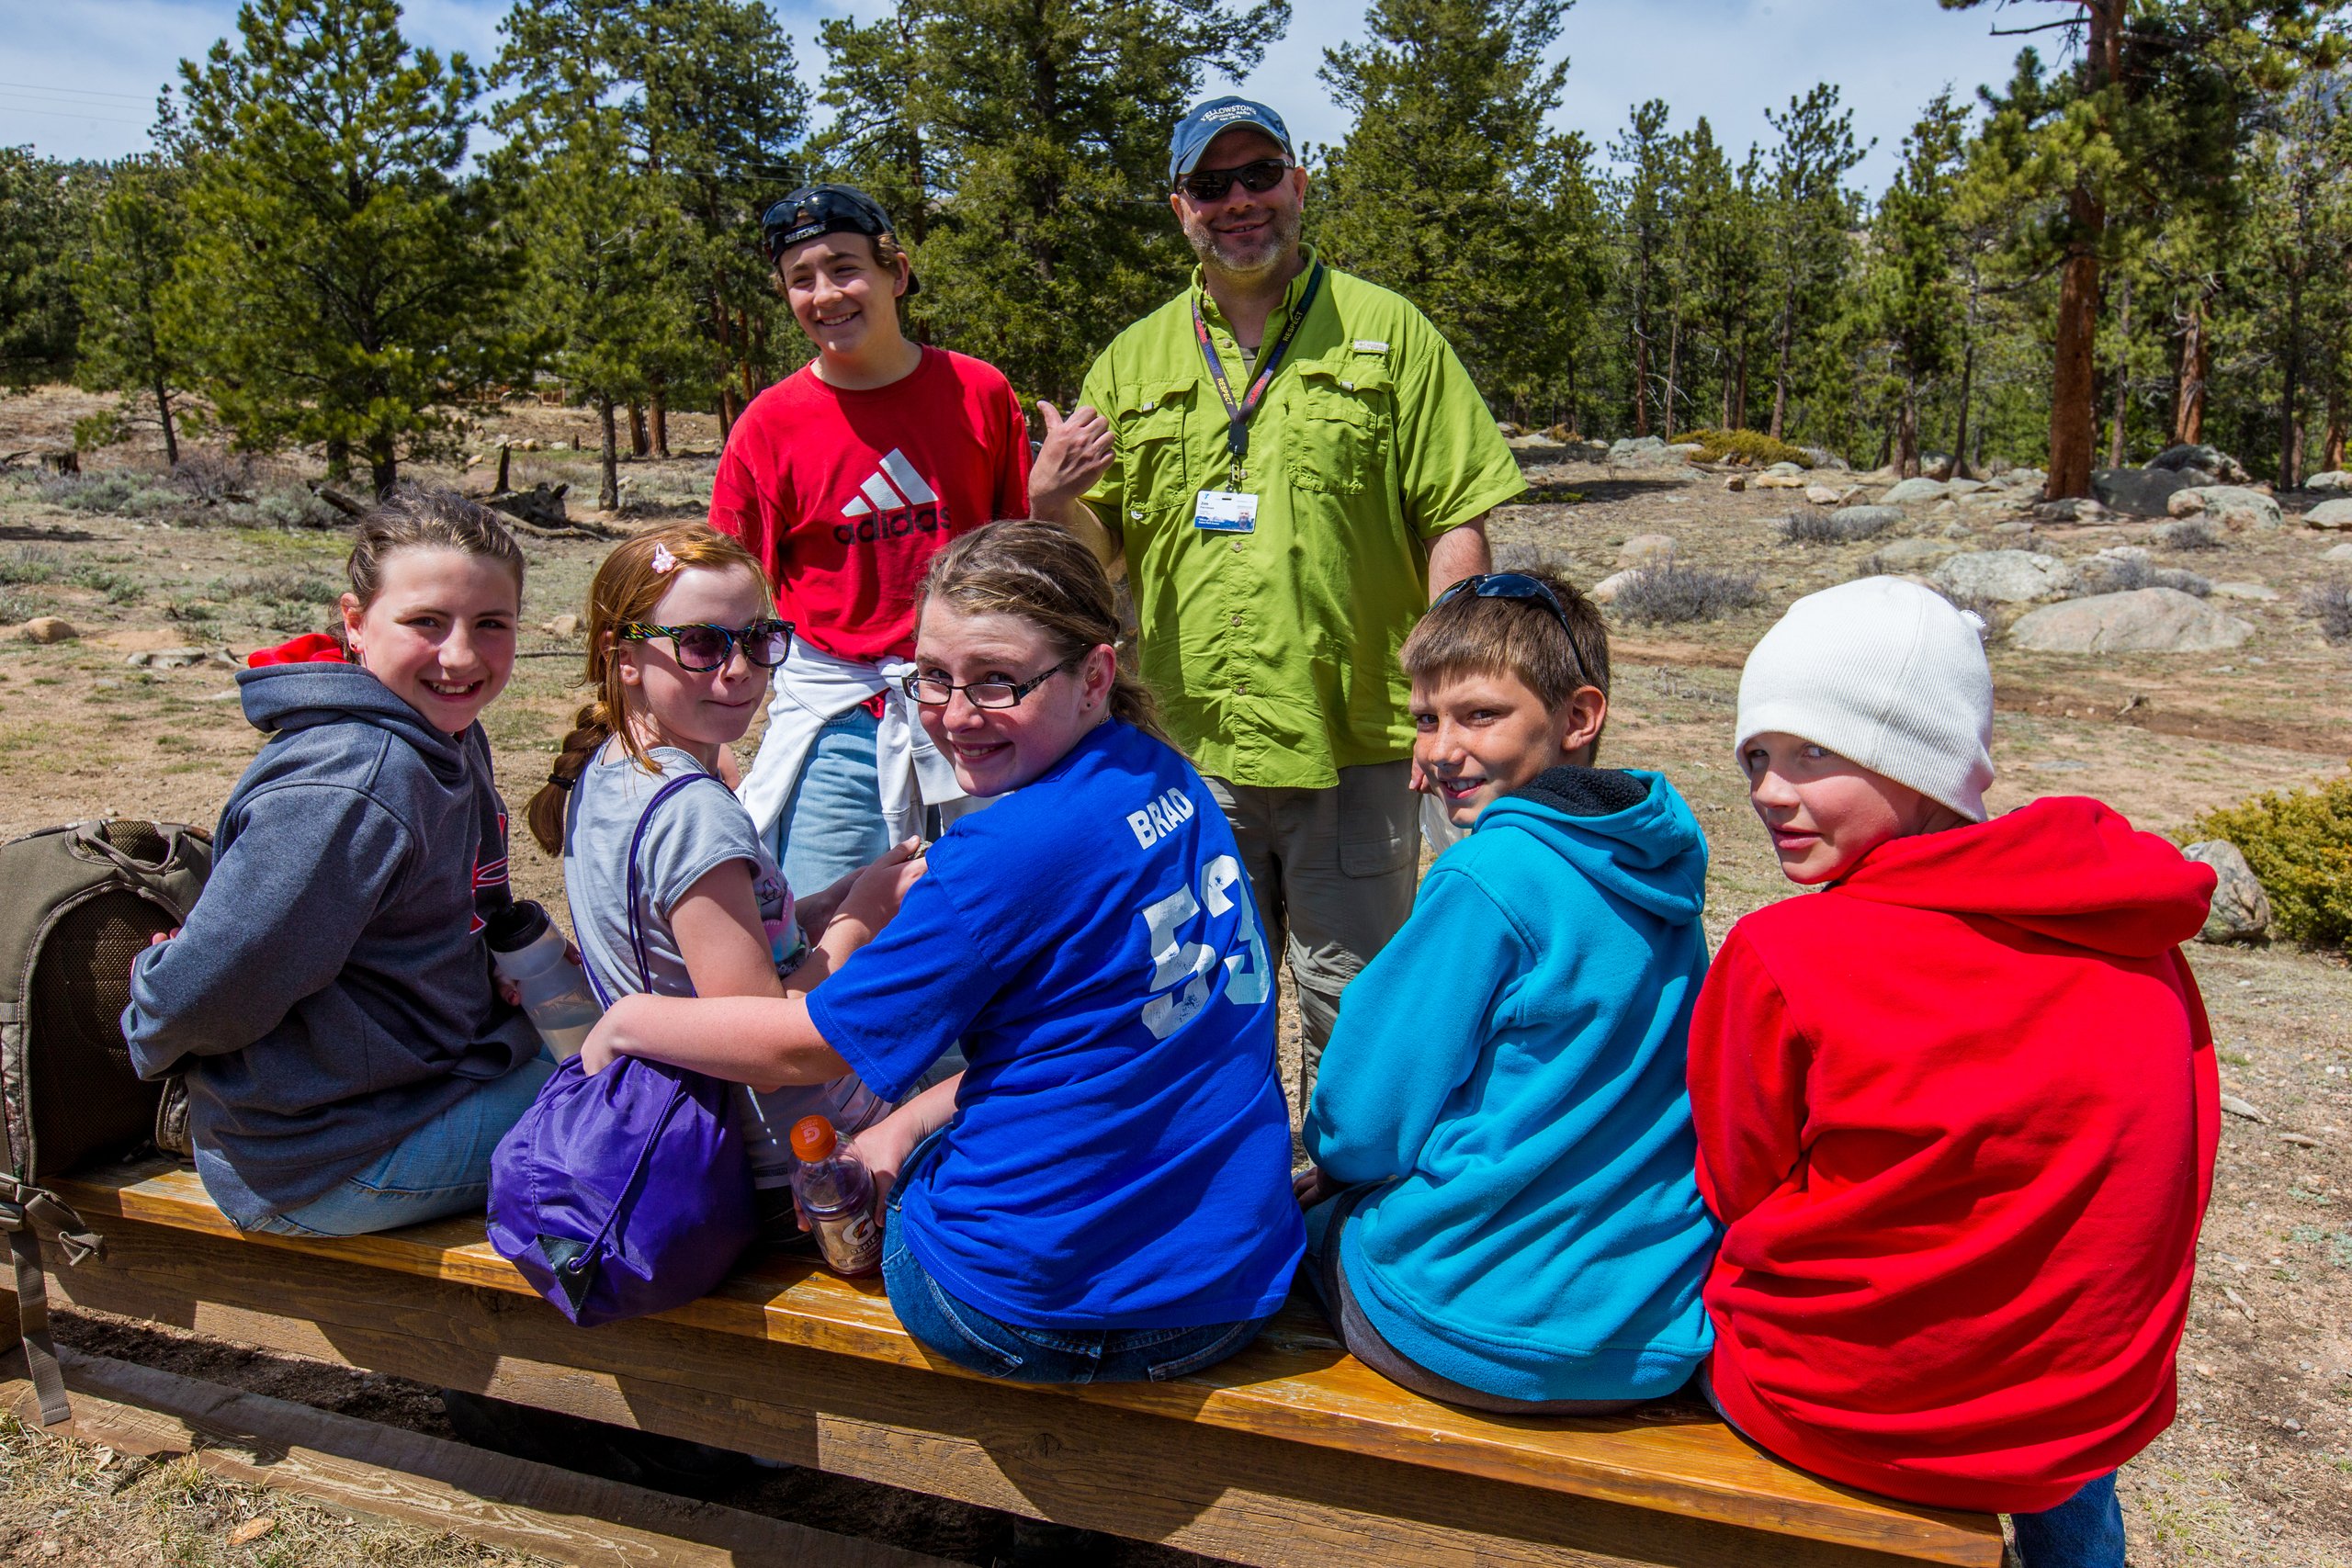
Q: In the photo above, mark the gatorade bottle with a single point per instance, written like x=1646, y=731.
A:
x=837, y=1195
x=527, y=949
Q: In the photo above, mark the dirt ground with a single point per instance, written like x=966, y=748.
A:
x=2258, y=1467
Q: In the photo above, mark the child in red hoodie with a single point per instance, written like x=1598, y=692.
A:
x=1957, y=1111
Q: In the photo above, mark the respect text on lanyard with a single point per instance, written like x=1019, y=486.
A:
x=1237, y=415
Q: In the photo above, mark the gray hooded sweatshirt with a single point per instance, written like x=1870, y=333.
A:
x=331, y=992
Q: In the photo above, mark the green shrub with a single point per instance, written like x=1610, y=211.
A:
x=2299, y=845
x=1751, y=447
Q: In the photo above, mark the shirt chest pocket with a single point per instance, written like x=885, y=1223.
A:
x=1148, y=428
x=1346, y=418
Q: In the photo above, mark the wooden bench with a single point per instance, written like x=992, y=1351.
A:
x=1292, y=1453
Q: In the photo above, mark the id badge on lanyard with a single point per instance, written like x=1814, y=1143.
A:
x=1235, y=511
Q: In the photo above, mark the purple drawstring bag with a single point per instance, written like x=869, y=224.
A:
x=628, y=1192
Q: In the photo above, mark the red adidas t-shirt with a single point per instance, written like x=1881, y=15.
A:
x=845, y=496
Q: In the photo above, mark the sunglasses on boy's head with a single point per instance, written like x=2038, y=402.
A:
x=1509, y=585
x=1205, y=185
x=702, y=648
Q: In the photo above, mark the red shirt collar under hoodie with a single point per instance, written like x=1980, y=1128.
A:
x=1958, y=1113
x=310, y=648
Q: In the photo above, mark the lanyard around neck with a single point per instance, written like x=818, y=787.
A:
x=1237, y=415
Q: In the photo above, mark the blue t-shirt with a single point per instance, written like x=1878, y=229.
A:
x=1120, y=1154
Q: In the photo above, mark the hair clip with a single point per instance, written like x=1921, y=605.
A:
x=664, y=563
x=561, y=782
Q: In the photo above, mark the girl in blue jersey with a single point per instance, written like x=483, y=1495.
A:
x=1105, y=1194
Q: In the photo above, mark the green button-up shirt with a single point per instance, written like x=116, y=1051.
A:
x=1274, y=652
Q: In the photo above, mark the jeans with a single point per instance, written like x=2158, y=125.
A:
x=440, y=1170
x=1335, y=871
x=831, y=822
x=2083, y=1531
x=953, y=1328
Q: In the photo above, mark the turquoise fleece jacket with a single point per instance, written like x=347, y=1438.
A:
x=1511, y=1066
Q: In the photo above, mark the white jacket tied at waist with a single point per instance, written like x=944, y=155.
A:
x=813, y=689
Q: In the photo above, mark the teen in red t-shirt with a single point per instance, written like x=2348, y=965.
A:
x=845, y=479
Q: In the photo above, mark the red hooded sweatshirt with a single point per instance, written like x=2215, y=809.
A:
x=1957, y=1114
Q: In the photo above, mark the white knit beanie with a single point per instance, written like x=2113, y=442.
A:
x=1887, y=673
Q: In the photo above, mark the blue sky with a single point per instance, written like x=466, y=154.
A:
x=79, y=77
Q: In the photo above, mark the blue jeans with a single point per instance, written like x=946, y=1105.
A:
x=831, y=823
x=2083, y=1531
x=442, y=1169
x=953, y=1328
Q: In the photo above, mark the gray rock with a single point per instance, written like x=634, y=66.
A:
x=1824, y=459
x=178, y=658
x=2141, y=493
x=1605, y=592
x=2335, y=478
x=2331, y=514
x=1912, y=555
x=2339, y=552
x=1642, y=549
x=2207, y=459
x=2232, y=506
x=1643, y=452
x=2146, y=620
x=2024, y=479
x=1912, y=491
x=2261, y=591
x=2005, y=576
x=1791, y=469
x=1862, y=521
x=2241, y=909
x=1963, y=488
x=2072, y=509
x=1824, y=495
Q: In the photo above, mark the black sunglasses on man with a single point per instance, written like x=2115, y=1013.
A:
x=1205, y=185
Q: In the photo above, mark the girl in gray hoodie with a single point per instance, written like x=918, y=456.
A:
x=349, y=1064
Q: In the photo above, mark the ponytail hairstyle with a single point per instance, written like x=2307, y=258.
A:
x=628, y=586
x=1041, y=573
x=414, y=517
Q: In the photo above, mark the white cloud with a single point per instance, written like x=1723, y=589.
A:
x=82, y=77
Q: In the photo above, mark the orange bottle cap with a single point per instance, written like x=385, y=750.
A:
x=812, y=1139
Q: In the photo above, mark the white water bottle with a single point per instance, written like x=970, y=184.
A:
x=527, y=950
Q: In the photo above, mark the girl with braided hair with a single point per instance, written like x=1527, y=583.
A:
x=673, y=890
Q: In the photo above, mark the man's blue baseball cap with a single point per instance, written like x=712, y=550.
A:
x=1202, y=124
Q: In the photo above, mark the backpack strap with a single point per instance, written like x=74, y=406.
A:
x=637, y=839
x=20, y=1206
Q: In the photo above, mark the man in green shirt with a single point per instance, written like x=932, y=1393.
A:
x=1284, y=520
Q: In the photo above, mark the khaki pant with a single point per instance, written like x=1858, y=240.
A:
x=1334, y=871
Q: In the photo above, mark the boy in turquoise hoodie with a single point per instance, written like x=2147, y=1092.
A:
x=1502, y=1210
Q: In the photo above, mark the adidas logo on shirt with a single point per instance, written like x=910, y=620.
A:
x=893, y=502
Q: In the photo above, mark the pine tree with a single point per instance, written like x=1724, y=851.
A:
x=1643, y=205
x=1720, y=244
x=125, y=271
x=705, y=101
x=1810, y=213
x=1918, y=302
x=342, y=282
x=44, y=211
x=1448, y=189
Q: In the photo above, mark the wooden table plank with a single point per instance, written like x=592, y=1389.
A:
x=1295, y=1384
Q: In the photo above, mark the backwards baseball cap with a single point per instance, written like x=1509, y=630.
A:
x=825, y=209
x=1204, y=123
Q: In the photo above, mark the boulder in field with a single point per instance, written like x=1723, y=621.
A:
x=2340, y=552
x=1961, y=489
x=1605, y=592
x=2241, y=910
x=2261, y=593
x=2334, y=479
x=1644, y=549
x=2023, y=479
x=2331, y=514
x=1643, y=452
x=1901, y=556
x=1910, y=493
x=2145, y=620
x=2072, y=509
x=2235, y=507
x=47, y=628
x=2205, y=459
x=2005, y=576
x=2141, y=493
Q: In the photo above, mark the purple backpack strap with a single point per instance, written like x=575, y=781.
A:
x=636, y=926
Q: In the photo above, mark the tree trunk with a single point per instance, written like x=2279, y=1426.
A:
x=2291, y=392
x=338, y=459
x=1960, y=467
x=1907, y=430
x=1739, y=399
x=726, y=411
x=1781, y=374
x=383, y=465
x=659, y=413
x=1641, y=377
x=1673, y=368
x=2072, y=418
x=2331, y=454
x=2115, y=440
x=2196, y=367
x=639, y=443
x=609, y=471
x=164, y=413
x=505, y=458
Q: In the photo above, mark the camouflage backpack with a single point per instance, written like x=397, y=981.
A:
x=76, y=904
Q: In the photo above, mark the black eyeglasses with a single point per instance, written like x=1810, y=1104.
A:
x=1509, y=585
x=703, y=648
x=1210, y=185
x=933, y=690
